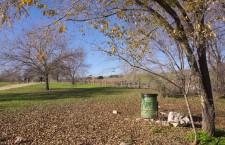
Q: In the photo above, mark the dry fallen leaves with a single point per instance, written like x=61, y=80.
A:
x=86, y=122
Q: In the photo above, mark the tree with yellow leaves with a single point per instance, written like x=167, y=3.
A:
x=132, y=26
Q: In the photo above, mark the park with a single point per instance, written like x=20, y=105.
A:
x=112, y=72
x=83, y=114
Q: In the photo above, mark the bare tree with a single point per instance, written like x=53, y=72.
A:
x=11, y=74
x=216, y=59
x=31, y=74
x=41, y=49
x=59, y=72
x=75, y=64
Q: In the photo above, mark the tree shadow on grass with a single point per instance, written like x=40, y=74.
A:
x=176, y=96
x=59, y=93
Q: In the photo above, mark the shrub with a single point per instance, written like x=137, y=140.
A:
x=205, y=139
x=100, y=77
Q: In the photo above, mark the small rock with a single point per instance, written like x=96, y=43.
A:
x=182, y=122
x=123, y=143
x=175, y=124
x=163, y=113
x=126, y=119
x=157, y=121
x=186, y=119
x=19, y=140
x=138, y=119
x=177, y=119
x=115, y=112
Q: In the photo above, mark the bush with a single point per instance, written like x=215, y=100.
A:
x=205, y=139
x=100, y=77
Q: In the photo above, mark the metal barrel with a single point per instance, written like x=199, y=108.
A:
x=149, y=106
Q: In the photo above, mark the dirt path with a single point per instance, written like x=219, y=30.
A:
x=15, y=86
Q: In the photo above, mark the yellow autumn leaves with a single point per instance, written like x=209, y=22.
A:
x=40, y=55
x=28, y=2
x=62, y=28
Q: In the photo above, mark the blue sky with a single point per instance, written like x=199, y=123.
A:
x=100, y=63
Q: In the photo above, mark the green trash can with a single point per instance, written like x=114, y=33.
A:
x=149, y=106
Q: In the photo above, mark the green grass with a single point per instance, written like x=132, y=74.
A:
x=205, y=139
x=6, y=83
x=59, y=92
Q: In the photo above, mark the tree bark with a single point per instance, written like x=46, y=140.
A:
x=46, y=82
x=73, y=80
x=57, y=77
x=207, y=104
x=200, y=69
x=208, y=110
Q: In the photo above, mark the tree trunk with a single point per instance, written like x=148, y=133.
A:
x=73, y=80
x=207, y=104
x=208, y=111
x=57, y=77
x=46, y=82
x=205, y=92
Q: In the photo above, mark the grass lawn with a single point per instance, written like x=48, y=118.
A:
x=6, y=83
x=82, y=114
x=28, y=96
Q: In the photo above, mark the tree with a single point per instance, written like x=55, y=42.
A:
x=9, y=11
x=100, y=77
x=75, y=64
x=40, y=49
x=59, y=72
x=29, y=73
x=11, y=74
x=137, y=22
x=216, y=59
